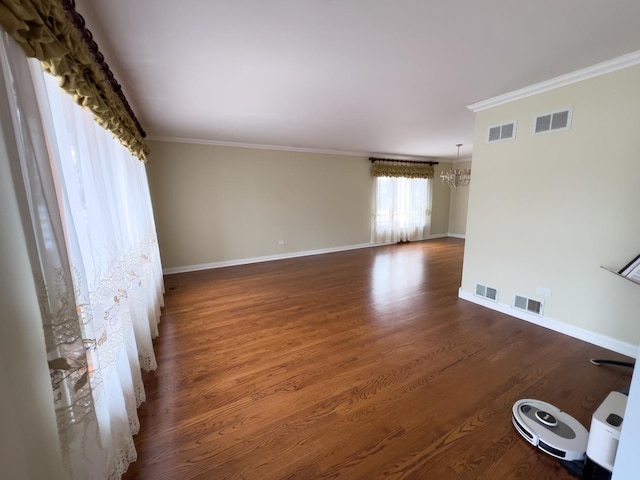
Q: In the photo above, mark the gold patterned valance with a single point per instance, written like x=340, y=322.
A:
x=54, y=33
x=400, y=169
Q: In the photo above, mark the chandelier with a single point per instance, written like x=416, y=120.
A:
x=454, y=177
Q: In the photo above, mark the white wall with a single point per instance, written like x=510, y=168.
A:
x=219, y=204
x=548, y=210
x=29, y=445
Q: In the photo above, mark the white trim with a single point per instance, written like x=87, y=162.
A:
x=618, y=63
x=431, y=237
x=220, y=143
x=456, y=235
x=266, y=258
x=282, y=256
x=598, y=339
x=457, y=160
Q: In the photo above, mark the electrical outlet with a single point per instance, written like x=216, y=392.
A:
x=544, y=291
x=280, y=242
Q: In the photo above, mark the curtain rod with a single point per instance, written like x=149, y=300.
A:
x=395, y=160
x=78, y=22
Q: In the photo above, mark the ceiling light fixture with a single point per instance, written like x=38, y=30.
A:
x=454, y=177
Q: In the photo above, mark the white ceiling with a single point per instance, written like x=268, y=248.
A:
x=373, y=76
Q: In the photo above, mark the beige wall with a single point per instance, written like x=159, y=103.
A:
x=548, y=210
x=219, y=204
x=459, y=205
x=440, y=202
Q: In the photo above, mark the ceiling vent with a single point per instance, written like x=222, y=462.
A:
x=551, y=122
x=499, y=133
x=489, y=293
x=528, y=305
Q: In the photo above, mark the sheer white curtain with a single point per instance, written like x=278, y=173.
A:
x=90, y=227
x=402, y=209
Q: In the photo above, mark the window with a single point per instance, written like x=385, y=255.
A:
x=402, y=209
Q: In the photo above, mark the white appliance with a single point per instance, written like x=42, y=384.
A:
x=550, y=429
x=606, y=424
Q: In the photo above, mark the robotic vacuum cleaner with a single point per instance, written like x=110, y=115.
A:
x=550, y=429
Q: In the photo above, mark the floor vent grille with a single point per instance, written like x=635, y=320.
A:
x=528, y=305
x=489, y=293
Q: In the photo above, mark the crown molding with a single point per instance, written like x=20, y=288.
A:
x=618, y=63
x=453, y=161
x=461, y=160
x=219, y=143
x=257, y=146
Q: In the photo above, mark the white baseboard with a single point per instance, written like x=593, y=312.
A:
x=456, y=235
x=281, y=256
x=435, y=235
x=266, y=258
x=598, y=339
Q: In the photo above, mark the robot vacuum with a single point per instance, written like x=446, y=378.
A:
x=550, y=429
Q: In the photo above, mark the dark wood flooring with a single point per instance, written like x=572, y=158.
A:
x=354, y=365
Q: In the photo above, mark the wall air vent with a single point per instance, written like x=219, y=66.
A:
x=489, y=293
x=500, y=133
x=528, y=305
x=550, y=122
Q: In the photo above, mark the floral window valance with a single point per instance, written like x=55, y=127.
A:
x=54, y=33
x=402, y=169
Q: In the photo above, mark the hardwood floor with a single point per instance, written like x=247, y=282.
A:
x=353, y=365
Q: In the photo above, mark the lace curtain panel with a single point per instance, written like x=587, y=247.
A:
x=402, y=209
x=89, y=225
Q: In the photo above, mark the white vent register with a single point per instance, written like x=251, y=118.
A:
x=553, y=121
x=528, y=305
x=484, y=291
x=499, y=133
